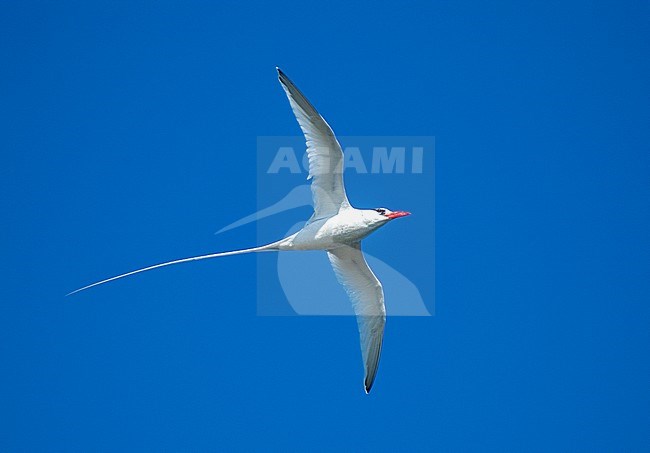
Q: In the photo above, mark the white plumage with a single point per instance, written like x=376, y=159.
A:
x=335, y=227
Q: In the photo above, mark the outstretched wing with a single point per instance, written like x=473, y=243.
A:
x=367, y=297
x=324, y=153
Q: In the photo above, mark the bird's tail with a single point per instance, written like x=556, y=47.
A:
x=264, y=248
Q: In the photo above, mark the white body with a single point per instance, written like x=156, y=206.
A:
x=347, y=227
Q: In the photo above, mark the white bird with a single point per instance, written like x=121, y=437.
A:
x=335, y=227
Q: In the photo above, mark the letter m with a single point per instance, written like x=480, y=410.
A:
x=385, y=162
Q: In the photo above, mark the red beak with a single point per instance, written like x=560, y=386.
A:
x=396, y=214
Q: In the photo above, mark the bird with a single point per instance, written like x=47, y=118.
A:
x=335, y=227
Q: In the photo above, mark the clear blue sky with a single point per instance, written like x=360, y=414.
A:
x=128, y=137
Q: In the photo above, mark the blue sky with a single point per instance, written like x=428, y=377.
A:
x=129, y=136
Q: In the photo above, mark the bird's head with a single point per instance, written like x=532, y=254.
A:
x=384, y=215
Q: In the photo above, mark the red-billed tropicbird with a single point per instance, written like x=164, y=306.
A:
x=335, y=227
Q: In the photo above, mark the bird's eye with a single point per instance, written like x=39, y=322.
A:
x=381, y=211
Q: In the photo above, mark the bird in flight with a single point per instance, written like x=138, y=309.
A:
x=335, y=227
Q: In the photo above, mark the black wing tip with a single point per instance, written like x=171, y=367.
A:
x=367, y=386
x=284, y=79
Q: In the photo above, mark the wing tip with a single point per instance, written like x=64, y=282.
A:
x=367, y=385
